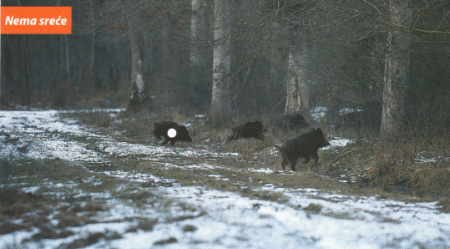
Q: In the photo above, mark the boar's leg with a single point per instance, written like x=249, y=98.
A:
x=285, y=158
x=261, y=137
x=293, y=163
x=306, y=159
x=315, y=155
x=165, y=141
x=283, y=164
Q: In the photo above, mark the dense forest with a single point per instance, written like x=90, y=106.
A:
x=387, y=59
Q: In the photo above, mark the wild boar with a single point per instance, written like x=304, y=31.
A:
x=161, y=129
x=247, y=130
x=305, y=146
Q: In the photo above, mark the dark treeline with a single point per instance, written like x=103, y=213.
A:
x=62, y=70
x=336, y=54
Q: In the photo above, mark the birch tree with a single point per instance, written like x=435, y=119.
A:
x=92, y=55
x=198, y=38
x=292, y=14
x=220, y=102
x=137, y=82
x=396, y=72
x=297, y=99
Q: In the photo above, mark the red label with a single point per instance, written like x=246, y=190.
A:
x=36, y=20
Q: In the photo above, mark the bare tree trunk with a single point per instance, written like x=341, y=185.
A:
x=165, y=52
x=24, y=58
x=396, y=72
x=197, y=31
x=92, y=59
x=279, y=41
x=220, y=102
x=197, y=52
x=297, y=89
x=91, y=74
x=66, y=45
x=137, y=81
x=376, y=72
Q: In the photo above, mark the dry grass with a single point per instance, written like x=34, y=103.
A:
x=368, y=163
x=368, y=160
x=397, y=164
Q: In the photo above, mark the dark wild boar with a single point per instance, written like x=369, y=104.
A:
x=247, y=130
x=304, y=146
x=160, y=129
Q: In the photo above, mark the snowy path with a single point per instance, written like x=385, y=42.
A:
x=309, y=219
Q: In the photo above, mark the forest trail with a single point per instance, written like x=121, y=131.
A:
x=90, y=190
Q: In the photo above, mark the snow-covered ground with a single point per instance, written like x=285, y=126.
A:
x=309, y=218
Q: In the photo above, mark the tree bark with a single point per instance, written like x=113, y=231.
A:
x=297, y=99
x=198, y=38
x=396, y=74
x=66, y=45
x=279, y=44
x=197, y=30
x=137, y=81
x=92, y=73
x=25, y=61
x=220, y=102
x=376, y=68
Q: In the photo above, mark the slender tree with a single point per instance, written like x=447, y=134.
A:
x=220, y=102
x=92, y=73
x=292, y=16
x=198, y=37
x=396, y=74
x=137, y=82
x=297, y=99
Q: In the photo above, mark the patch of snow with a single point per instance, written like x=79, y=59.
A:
x=367, y=222
x=31, y=189
x=318, y=113
x=64, y=150
x=231, y=221
x=122, y=149
x=136, y=176
x=13, y=240
x=337, y=142
x=265, y=171
x=347, y=110
x=431, y=160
